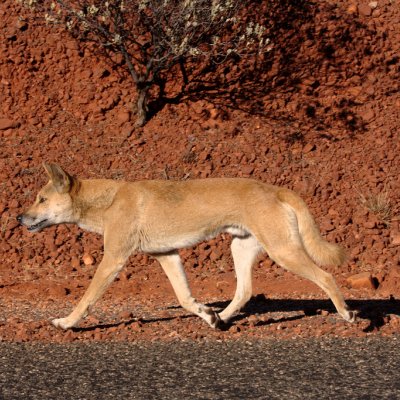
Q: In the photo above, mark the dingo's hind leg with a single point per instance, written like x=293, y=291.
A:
x=244, y=252
x=295, y=259
x=173, y=268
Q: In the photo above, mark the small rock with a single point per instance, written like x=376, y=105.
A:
x=394, y=321
x=395, y=239
x=123, y=116
x=125, y=276
x=234, y=329
x=214, y=113
x=55, y=292
x=355, y=91
x=71, y=44
x=125, y=315
x=326, y=225
x=365, y=10
x=137, y=325
x=352, y=9
x=100, y=72
x=304, y=186
x=247, y=170
x=369, y=224
x=93, y=321
x=215, y=255
x=309, y=147
x=14, y=204
x=88, y=259
x=75, y=263
x=21, y=25
x=98, y=335
x=21, y=334
x=6, y=123
x=362, y=280
x=253, y=320
x=367, y=115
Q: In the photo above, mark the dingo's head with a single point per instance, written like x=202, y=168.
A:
x=53, y=204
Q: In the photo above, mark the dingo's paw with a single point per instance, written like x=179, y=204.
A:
x=62, y=323
x=351, y=315
x=213, y=318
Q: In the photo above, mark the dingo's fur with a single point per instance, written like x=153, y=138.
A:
x=160, y=217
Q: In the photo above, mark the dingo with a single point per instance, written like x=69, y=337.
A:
x=160, y=217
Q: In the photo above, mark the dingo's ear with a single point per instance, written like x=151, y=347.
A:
x=60, y=179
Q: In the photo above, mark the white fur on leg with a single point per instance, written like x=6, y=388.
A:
x=62, y=323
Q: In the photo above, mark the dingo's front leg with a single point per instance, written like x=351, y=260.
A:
x=105, y=274
x=172, y=266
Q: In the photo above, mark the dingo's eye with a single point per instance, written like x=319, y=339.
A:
x=41, y=200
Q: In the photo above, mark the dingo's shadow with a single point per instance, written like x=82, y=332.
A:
x=142, y=321
x=372, y=310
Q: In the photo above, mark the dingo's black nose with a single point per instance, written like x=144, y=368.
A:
x=19, y=218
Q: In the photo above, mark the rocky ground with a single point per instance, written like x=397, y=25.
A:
x=319, y=113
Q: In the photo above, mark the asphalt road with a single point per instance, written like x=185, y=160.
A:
x=300, y=369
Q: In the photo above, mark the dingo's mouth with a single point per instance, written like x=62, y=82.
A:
x=38, y=226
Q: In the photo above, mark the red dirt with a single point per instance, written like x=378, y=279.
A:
x=323, y=120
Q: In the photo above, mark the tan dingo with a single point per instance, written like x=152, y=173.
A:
x=160, y=217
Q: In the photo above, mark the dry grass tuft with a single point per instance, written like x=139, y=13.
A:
x=379, y=204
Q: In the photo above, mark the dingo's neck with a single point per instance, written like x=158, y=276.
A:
x=91, y=200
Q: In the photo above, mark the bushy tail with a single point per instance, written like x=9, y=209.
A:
x=322, y=252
